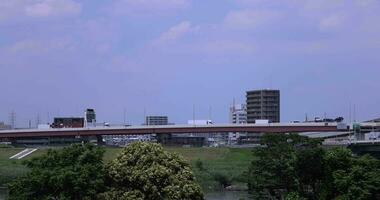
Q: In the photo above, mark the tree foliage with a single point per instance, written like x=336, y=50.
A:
x=295, y=167
x=145, y=171
x=75, y=172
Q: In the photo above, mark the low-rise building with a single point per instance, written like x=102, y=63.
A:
x=68, y=122
x=156, y=120
x=4, y=126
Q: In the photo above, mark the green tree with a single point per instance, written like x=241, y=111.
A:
x=224, y=180
x=334, y=159
x=294, y=167
x=309, y=170
x=145, y=171
x=74, y=173
x=272, y=174
x=199, y=165
x=361, y=181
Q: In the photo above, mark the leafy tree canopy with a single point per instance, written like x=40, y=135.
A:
x=295, y=167
x=145, y=171
x=75, y=172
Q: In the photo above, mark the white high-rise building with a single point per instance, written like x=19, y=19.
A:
x=238, y=115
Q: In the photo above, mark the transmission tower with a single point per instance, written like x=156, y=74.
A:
x=12, y=119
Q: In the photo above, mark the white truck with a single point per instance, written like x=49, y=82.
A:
x=261, y=121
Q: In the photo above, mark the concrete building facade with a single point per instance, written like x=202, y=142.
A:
x=90, y=116
x=4, y=126
x=263, y=105
x=237, y=115
x=156, y=120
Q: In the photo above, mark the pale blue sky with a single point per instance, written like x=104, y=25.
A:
x=62, y=56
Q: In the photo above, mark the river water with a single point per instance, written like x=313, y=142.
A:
x=227, y=196
x=209, y=196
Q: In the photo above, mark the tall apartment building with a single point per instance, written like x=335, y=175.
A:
x=263, y=105
x=156, y=120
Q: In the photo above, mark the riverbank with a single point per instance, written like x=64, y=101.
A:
x=212, y=167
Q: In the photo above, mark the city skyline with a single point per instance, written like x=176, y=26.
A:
x=165, y=56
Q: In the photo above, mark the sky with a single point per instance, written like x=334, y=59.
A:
x=170, y=57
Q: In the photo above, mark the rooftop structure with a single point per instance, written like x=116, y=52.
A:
x=377, y=120
x=90, y=116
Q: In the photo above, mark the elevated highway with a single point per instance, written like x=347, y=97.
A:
x=173, y=129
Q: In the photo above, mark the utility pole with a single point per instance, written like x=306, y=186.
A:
x=48, y=117
x=38, y=120
x=125, y=116
x=350, y=112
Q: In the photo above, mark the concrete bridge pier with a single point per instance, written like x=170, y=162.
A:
x=100, y=141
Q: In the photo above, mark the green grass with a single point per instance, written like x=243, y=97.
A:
x=230, y=162
x=226, y=161
x=9, y=169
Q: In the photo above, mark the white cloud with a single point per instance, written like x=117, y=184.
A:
x=366, y=3
x=147, y=8
x=248, y=19
x=47, y=8
x=19, y=10
x=331, y=22
x=177, y=32
x=228, y=47
x=41, y=46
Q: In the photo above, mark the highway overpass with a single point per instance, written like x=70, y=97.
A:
x=173, y=129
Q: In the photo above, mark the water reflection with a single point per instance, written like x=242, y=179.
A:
x=209, y=196
x=3, y=193
x=227, y=196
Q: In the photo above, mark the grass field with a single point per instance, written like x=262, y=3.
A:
x=228, y=162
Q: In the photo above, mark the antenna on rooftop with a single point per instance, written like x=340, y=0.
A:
x=210, y=113
x=193, y=114
x=350, y=112
x=233, y=105
x=270, y=81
